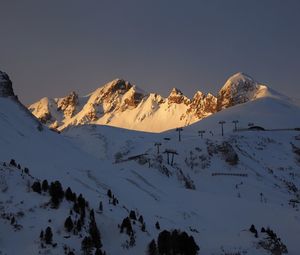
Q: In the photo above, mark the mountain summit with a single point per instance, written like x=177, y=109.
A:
x=121, y=104
x=239, y=88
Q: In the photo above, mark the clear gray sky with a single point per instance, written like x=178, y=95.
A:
x=50, y=48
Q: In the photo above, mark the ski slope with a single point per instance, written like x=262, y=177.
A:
x=217, y=211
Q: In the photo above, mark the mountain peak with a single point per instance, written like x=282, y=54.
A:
x=240, y=76
x=239, y=88
x=177, y=97
x=117, y=85
x=6, y=89
x=175, y=91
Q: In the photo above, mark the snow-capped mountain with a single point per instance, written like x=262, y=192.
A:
x=120, y=104
x=212, y=188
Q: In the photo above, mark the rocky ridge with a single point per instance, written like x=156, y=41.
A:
x=119, y=103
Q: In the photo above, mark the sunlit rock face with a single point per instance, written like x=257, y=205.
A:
x=122, y=104
x=238, y=89
x=6, y=89
x=202, y=105
x=177, y=97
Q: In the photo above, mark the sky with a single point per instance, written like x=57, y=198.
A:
x=50, y=48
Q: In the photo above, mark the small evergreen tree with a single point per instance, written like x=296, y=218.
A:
x=87, y=245
x=48, y=235
x=56, y=192
x=143, y=228
x=109, y=193
x=36, y=187
x=252, y=229
x=42, y=235
x=132, y=215
x=152, y=249
x=26, y=170
x=69, y=194
x=81, y=202
x=12, y=163
x=92, y=215
x=45, y=185
x=141, y=219
x=69, y=224
x=164, y=242
x=100, y=206
x=127, y=225
x=157, y=225
x=95, y=234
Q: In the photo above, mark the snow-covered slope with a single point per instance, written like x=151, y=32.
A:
x=120, y=104
x=215, y=188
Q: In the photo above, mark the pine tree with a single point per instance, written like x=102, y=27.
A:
x=127, y=225
x=48, y=235
x=92, y=215
x=143, y=228
x=81, y=202
x=141, y=219
x=157, y=225
x=45, y=185
x=36, y=187
x=69, y=224
x=95, y=234
x=109, y=193
x=87, y=245
x=100, y=206
x=56, y=192
x=69, y=194
x=164, y=242
x=132, y=215
x=42, y=235
x=12, y=163
x=152, y=249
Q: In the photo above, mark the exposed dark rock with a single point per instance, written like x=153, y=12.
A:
x=6, y=89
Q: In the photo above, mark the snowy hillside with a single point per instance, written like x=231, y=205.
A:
x=120, y=104
x=213, y=188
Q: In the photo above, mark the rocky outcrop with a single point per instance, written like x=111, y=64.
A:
x=239, y=88
x=202, y=105
x=177, y=97
x=6, y=89
x=68, y=104
x=132, y=99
